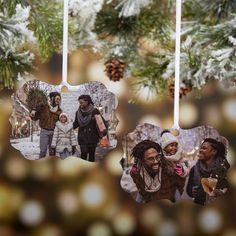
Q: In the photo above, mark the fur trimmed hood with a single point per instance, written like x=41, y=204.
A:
x=64, y=127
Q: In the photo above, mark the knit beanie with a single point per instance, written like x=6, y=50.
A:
x=54, y=94
x=86, y=98
x=168, y=138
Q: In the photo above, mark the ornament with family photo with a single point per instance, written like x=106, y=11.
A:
x=163, y=164
x=61, y=121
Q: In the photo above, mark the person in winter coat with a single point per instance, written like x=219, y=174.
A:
x=153, y=174
x=47, y=115
x=173, y=152
x=88, y=136
x=64, y=141
x=212, y=164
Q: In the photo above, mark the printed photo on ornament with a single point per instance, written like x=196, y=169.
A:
x=175, y=164
x=61, y=121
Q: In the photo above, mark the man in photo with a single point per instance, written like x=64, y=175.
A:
x=47, y=115
x=153, y=174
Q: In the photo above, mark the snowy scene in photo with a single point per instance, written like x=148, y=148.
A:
x=25, y=135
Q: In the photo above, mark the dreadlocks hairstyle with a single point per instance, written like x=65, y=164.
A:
x=87, y=98
x=140, y=148
x=218, y=146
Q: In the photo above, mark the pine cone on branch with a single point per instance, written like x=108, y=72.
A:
x=115, y=69
x=185, y=89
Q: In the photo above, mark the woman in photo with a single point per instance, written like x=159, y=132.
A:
x=212, y=166
x=88, y=136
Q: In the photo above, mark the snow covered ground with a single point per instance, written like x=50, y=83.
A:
x=30, y=150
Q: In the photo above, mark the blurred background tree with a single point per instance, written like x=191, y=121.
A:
x=140, y=33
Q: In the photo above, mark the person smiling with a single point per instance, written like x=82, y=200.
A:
x=211, y=163
x=47, y=115
x=88, y=136
x=153, y=174
x=173, y=151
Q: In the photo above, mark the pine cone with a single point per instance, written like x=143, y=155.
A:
x=115, y=69
x=185, y=89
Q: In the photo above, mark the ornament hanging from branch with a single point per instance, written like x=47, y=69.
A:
x=51, y=110
x=181, y=162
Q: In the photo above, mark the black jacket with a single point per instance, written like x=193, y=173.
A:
x=195, y=175
x=87, y=135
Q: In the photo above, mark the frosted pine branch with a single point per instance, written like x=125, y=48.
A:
x=17, y=25
x=132, y=7
x=85, y=12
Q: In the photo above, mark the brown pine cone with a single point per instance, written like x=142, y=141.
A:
x=115, y=69
x=185, y=89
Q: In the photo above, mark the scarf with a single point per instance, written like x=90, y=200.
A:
x=152, y=184
x=85, y=115
x=53, y=109
x=176, y=158
x=200, y=170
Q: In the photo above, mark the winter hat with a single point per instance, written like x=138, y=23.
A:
x=168, y=138
x=86, y=98
x=53, y=95
x=63, y=114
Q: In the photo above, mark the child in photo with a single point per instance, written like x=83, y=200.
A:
x=64, y=141
x=173, y=152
